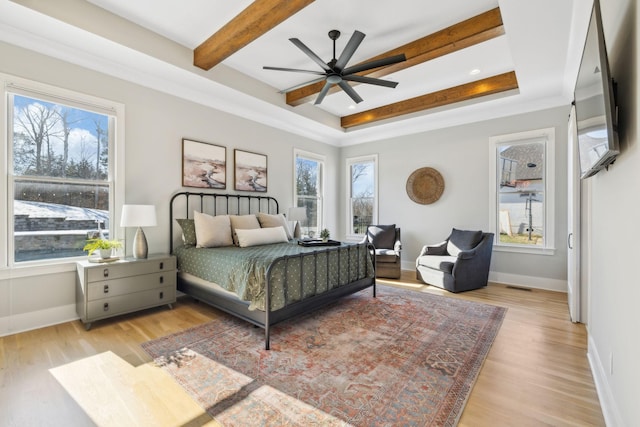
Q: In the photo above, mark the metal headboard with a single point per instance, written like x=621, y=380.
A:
x=218, y=204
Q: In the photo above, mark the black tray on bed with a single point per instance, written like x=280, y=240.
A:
x=317, y=242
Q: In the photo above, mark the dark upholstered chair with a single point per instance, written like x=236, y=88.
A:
x=460, y=263
x=386, y=241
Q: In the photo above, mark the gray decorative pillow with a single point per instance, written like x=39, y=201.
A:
x=382, y=236
x=462, y=240
x=188, y=227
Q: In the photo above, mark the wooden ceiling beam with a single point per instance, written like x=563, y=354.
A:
x=258, y=18
x=464, y=92
x=467, y=33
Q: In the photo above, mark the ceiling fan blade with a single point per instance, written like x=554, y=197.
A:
x=310, y=54
x=289, y=89
x=323, y=93
x=374, y=64
x=349, y=50
x=296, y=70
x=349, y=90
x=370, y=80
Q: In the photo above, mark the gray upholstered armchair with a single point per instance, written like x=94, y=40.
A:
x=460, y=263
x=386, y=241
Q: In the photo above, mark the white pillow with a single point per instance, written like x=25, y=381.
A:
x=260, y=236
x=277, y=220
x=212, y=231
x=243, y=222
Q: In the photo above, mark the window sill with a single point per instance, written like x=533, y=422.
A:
x=524, y=250
x=40, y=268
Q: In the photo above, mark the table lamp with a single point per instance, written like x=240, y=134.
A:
x=139, y=216
x=297, y=215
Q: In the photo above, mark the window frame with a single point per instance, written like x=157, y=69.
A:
x=546, y=136
x=49, y=93
x=307, y=155
x=349, y=162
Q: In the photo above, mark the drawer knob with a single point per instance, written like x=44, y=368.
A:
x=161, y=279
x=106, y=289
x=161, y=295
x=105, y=307
x=162, y=266
x=105, y=272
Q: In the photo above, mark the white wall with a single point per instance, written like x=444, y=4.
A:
x=461, y=155
x=614, y=341
x=155, y=126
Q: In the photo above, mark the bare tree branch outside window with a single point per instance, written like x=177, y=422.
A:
x=60, y=177
x=362, y=195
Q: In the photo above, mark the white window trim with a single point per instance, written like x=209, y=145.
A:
x=9, y=83
x=322, y=160
x=548, y=135
x=350, y=235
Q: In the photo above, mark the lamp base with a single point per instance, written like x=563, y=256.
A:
x=140, y=248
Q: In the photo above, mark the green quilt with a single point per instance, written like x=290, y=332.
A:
x=298, y=272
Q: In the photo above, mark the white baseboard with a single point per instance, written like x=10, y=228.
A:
x=17, y=323
x=5, y=326
x=514, y=279
x=607, y=402
x=528, y=281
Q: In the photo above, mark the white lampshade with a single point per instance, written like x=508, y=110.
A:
x=297, y=214
x=138, y=216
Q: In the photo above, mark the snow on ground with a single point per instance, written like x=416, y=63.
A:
x=52, y=210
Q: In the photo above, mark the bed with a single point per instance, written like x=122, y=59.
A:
x=261, y=283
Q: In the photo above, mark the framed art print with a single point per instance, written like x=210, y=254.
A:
x=250, y=171
x=203, y=165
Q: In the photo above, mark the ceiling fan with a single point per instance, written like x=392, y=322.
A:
x=335, y=71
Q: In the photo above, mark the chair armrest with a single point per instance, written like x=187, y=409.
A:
x=439, y=249
x=467, y=254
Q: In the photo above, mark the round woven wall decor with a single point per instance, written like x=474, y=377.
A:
x=425, y=186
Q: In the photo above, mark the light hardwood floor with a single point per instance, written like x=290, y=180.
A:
x=536, y=373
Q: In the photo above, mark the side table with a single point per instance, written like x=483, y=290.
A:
x=105, y=290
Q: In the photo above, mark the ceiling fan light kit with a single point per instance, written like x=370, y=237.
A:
x=334, y=71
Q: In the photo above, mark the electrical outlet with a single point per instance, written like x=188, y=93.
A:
x=610, y=363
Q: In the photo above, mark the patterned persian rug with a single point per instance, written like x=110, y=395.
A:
x=403, y=358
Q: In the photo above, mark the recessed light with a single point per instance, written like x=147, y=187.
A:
x=352, y=107
x=474, y=71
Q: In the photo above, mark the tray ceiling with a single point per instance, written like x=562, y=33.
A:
x=523, y=54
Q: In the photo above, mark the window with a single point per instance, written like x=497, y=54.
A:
x=309, y=189
x=362, y=191
x=522, y=191
x=60, y=171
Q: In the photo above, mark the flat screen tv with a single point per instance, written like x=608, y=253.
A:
x=596, y=111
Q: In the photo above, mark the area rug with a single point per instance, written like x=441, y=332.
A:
x=403, y=358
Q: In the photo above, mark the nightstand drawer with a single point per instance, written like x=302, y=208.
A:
x=125, y=269
x=121, y=304
x=126, y=285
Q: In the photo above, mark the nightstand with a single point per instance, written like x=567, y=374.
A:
x=105, y=290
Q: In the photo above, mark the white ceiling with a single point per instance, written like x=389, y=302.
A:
x=542, y=43
x=311, y=25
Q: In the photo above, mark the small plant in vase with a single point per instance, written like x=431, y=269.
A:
x=324, y=234
x=105, y=247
